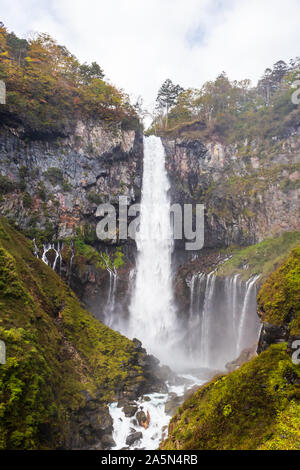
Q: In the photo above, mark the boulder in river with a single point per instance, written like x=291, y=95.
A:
x=141, y=417
x=134, y=437
x=130, y=410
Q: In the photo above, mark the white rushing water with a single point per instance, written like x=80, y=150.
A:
x=222, y=318
x=46, y=249
x=159, y=419
x=152, y=313
x=111, y=299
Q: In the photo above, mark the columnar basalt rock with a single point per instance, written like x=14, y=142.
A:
x=248, y=197
x=59, y=182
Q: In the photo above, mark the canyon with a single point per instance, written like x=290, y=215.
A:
x=51, y=190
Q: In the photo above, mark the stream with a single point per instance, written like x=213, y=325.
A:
x=154, y=404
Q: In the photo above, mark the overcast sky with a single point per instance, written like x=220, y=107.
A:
x=140, y=43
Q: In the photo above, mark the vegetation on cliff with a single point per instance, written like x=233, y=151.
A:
x=48, y=89
x=279, y=297
x=254, y=407
x=258, y=405
x=262, y=258
x=56, y=352
x=234, y=110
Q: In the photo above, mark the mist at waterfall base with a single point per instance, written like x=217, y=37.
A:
x=222, y=318
x=220, y=323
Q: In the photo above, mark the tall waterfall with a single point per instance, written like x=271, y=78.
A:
x=152, y=314
x=222, y=318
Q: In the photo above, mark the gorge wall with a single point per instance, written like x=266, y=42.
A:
x=52, y=187
x=250, y=190
x=55, y=184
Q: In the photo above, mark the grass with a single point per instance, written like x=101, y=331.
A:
x=56, y=350
x=254, y=407
x=261, y=258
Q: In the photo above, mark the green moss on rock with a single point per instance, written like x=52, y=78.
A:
x=254, y=407
x=261, y=258
x=57, y=352
x=279, y=297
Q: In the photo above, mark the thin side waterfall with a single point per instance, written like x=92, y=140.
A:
x=111, y=298
x=207, y=320
x=152, y=313
x=222, y=318
x=36, y=249
x=51, y=247
x=250, y=292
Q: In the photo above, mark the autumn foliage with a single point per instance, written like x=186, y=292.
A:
x=48, y=89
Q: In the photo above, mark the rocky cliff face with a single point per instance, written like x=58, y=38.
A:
x=63, y=366
x=52, y=188
x=279, y=305
x=56, y=184
x=250, y=191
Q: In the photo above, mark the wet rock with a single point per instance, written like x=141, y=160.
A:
x=134, y=437
x=108, y=441
x=141, y=417
x=271, y=334
x=134, y=422
x=173, y=403
x=191, y=391
x=129, y=410
x=245, y=356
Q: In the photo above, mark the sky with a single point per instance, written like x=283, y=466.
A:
x=140, y=43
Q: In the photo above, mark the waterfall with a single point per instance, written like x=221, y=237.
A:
x=48, y=247
x=250, y=291
x=36, y=249
x=152, y=313
x=72, y=257
x=111, y=298
x=205, y=336
x=222, y=318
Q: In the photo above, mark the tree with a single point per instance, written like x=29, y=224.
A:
x=89, y=72
x=280, y=68
x=265, y=85
x=167, y=96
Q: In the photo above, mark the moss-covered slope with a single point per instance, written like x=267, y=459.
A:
x=254, y=407
x=279, y=297
x=258, y=405
x=262, y=258
x=59, y=357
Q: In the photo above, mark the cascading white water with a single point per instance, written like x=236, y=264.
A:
x=246, y=307
x=111, y=299
x=152, y=313
x=47, y=248
x=222, y=318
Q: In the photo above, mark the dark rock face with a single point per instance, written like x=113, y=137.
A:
x=92, y=426
x=173, y=403
x=130, y=410
x=271, y=334
x=55, y=185
x=246, y=198
x=245, y=356
x=134, y=437
x=205, y=263
x=141, y=417
x=61, y=181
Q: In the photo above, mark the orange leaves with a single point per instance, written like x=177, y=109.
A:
x=49, y=88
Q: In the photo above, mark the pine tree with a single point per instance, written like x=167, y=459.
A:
x=167, y=96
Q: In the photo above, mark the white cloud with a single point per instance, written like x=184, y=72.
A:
x=139, y=43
